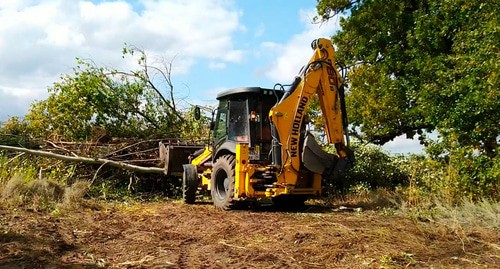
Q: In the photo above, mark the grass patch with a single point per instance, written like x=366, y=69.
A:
x=13, y=189
x=421, y=206
x=363, y=198
x=42, y=194
x=73, y=195
x=484, y=213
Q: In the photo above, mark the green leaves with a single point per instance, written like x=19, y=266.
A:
x=94, y=97
x=421, y=65
x=426, y=65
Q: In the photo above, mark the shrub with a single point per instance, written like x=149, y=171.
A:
x=373, y=168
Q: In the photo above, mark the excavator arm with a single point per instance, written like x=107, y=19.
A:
x=318, y=77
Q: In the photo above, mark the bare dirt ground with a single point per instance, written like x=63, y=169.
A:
x=173, y=235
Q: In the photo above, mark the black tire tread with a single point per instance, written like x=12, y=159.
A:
x=189, y=184
x=226, y=162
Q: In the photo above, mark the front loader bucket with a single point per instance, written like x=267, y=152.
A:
x=174, y=156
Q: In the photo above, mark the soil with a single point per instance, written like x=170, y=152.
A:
x=173, y=235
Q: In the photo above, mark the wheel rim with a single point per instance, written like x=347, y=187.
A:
x=222, y=184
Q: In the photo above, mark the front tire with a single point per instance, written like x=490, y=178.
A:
x=222, y=182
x=189, y=183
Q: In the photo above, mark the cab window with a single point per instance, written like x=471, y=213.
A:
x=238, y=122
x=220, y=129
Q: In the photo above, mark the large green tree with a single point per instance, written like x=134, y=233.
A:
x=417, y=66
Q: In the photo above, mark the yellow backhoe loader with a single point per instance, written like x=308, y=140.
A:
x=260, y=147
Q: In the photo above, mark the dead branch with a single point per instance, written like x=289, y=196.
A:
x=166, y=76
x=61, y=148
x=143, y=161
x=135, y=153
x=87, y=160
x=15, y=157
x=97, y=172
x=169, y=141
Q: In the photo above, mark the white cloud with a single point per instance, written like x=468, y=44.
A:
x=216, y=65
x=16, y=101
x=401, y=144
x=39, y=39
x=296, y=52
x=271, y=45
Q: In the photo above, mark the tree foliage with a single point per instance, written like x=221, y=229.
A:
x=419, y=66
x=96, y=102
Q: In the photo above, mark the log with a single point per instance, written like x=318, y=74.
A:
x=87, y=160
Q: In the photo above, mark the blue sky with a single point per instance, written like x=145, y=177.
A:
x=214, y=44
x=270, y=28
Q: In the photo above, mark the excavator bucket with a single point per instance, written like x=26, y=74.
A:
x=315, y=159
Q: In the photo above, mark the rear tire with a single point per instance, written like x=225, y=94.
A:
x=189, y=183
x=222, y=182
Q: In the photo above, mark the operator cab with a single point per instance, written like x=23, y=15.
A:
x=242, y=117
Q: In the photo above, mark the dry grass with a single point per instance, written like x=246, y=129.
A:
x=376, y=199
x=14, y=188
x=467, y=214
x=73, y=195
x=364, y=199
x=42, y=194
x=46, y=189
x=428, y=208
x=172, y=235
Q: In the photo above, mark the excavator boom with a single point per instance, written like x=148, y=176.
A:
x=319, y=77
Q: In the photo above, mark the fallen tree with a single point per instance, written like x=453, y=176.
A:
x=86, y=160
